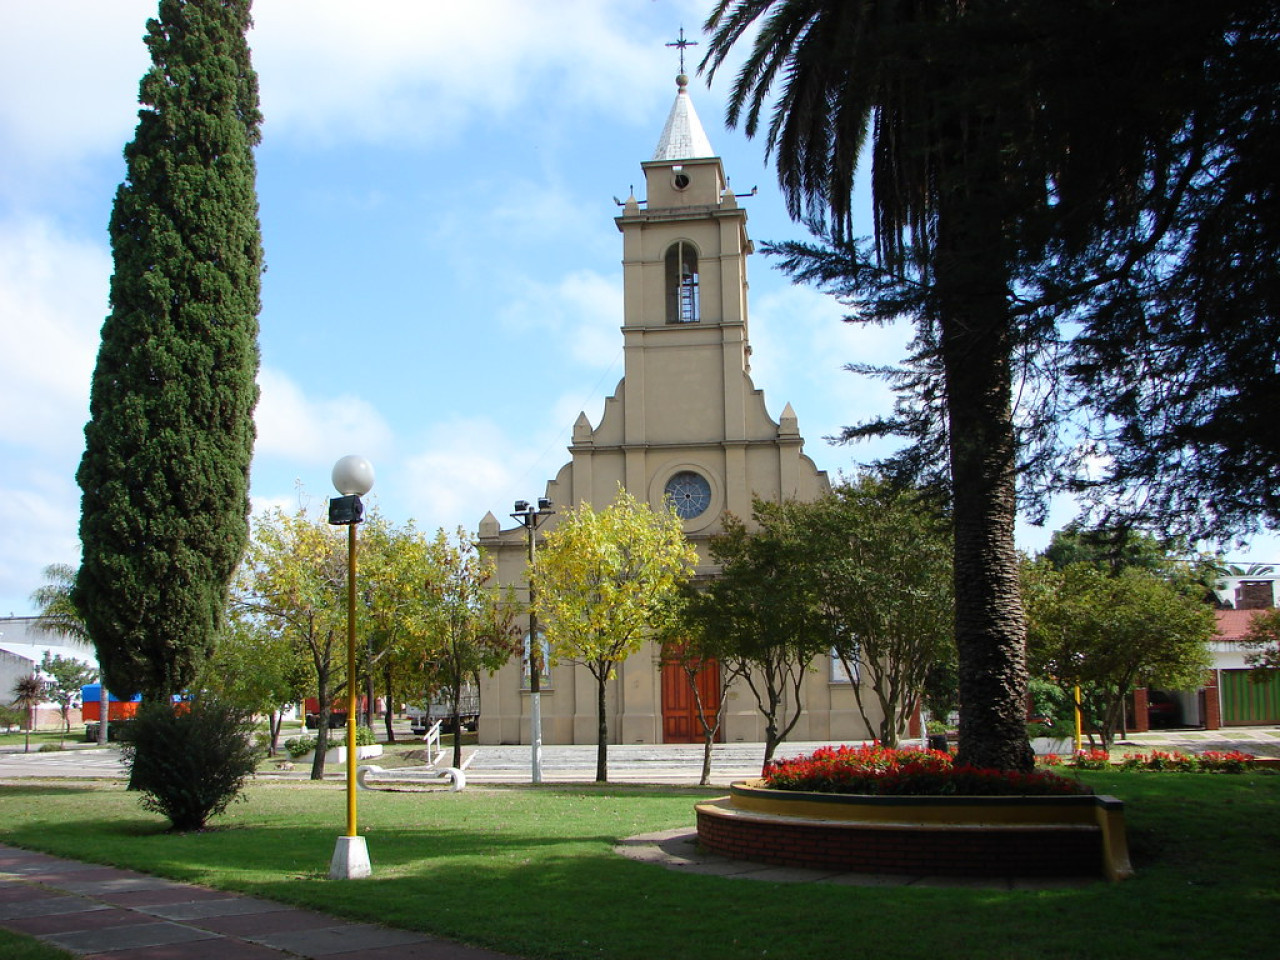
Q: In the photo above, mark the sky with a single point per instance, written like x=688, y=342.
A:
x=443, y=295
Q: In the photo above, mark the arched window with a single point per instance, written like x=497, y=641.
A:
x=682, y=283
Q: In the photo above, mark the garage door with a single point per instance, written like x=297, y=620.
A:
x=1245, y=703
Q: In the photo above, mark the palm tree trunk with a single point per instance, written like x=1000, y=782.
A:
x=977, y=349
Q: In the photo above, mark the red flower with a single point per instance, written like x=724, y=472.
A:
x=874, y=769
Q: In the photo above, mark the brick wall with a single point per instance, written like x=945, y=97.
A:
x=1212, y=703
x=957, y=851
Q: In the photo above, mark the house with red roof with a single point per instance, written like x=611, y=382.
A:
x=1241, y=700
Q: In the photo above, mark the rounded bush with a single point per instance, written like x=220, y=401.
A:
x=190, y=760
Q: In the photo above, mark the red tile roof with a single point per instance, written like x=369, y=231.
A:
x=1232, y=624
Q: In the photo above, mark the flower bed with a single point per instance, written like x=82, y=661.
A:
x=881, y=771
x=917, y=818
x=1211, y=761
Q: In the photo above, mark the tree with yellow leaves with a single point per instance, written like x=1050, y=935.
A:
x=603, y=581
x=292, y=584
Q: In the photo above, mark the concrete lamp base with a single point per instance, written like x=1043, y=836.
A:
x=350, y=859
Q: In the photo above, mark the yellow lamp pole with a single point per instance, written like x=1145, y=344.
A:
x=352, y=705
x=1079, y=733
x=353, y=477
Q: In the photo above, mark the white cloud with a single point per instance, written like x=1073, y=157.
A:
x=800, y=348
x=330, y=71
x=467, y=467
x=409, y=70
x=38, y=524
x=53, y=297
x=582, y=311
x=258, y=506
x=51, y=114
x=309, y=430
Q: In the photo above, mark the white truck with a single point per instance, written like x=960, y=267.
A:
x=440, y=707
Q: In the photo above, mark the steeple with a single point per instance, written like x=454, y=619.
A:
x=683, y=137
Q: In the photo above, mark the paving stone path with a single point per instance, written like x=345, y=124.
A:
x=108, y=914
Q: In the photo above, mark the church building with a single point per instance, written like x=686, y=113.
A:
x=685, y=423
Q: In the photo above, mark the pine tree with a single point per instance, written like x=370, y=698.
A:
x=165, y=471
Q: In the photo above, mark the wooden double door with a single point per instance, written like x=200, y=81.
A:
x=680, y=723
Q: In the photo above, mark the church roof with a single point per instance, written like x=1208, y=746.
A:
x=683, y=137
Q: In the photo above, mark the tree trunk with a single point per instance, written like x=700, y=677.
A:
x=104, y=715
x=602, y=732
x=457, y=724
x=322, y=726
x=389, y=714
x=977, y=348
x=771, y=742
x=771, y=736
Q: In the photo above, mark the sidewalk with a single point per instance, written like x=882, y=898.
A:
x=102, y=912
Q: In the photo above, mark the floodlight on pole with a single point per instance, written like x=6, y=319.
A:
x=353, y=478
x=529, y=518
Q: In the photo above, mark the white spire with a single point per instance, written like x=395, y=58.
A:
x=683, y=137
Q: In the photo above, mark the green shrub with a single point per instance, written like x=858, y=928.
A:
x=1053, y=709
x=301, y=746
x=49, y=748
x=190, y=763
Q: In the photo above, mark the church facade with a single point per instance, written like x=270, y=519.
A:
x=685, y=424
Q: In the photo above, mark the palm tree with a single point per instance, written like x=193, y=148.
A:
x=28, y=692
x=1253, y=570
x=853, y=70
x=58, y=614
x=56, y=611
x=1024, y=158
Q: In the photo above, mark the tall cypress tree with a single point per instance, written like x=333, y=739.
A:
x=165, y=473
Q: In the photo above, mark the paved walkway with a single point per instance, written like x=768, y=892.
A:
x=109, y=914
x=628, y=762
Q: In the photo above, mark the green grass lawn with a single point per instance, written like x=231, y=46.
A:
x=531, y=871
x=38, y=738
x=15, y=946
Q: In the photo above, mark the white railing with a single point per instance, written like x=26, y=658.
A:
x=432, y=736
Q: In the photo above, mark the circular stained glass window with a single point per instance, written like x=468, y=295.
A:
x=690, y=493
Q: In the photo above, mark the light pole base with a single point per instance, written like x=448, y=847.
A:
x=350, y=859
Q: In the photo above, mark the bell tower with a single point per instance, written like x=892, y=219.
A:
x=689, y=399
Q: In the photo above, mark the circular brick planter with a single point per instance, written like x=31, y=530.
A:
x=930, y=836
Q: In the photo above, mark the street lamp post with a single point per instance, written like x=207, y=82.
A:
x=352, y=477
x=529, y=517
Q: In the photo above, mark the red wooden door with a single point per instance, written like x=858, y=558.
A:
x=680, y=723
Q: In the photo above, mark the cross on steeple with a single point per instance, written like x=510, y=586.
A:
x=682, y=43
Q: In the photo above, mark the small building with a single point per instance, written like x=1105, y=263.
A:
x=22, y=647
x=1242, y=701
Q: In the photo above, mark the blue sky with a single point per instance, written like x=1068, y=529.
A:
x=443, y=292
